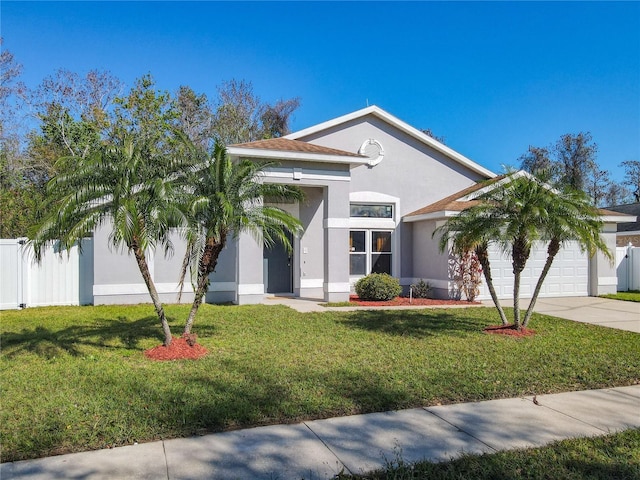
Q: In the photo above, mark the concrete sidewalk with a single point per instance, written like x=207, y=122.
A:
x=320, y=449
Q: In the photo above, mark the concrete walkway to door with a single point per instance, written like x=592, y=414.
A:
x=595, y=310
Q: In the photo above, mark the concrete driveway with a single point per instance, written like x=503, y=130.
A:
x=595, y=310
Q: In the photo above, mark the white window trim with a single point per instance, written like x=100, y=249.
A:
x=368, y=233
x=384, y=224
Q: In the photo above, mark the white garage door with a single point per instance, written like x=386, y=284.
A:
x=569, y=274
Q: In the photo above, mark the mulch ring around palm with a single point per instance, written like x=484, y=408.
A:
x=509, y=330
x=181, y=348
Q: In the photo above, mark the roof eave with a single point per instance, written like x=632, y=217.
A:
x=267, y=154
x=430, y=216
x=452, y=213
x=618, y=218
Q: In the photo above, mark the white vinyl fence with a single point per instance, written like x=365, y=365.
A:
x=628, y=268
x=65, y=279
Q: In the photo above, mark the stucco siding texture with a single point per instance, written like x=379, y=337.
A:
x=428, y=262
x=410, y=170
x=312, y=245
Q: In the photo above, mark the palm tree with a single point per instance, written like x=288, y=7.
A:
x=126, y=184
x=473, y=233
x=225, y=199
x=571, y=218
x=518, y=213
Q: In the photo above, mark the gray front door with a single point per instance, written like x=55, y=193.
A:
x=278, y=268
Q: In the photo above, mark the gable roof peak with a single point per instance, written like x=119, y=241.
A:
x=402, y=126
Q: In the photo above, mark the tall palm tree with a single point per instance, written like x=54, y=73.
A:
x=473, y=233
x=227, y=198
x=520, y=212
x=571, y=218
x=126, y=184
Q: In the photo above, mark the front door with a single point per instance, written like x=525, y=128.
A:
x=278, y=268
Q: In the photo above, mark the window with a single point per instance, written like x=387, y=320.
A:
x=358, y=253
x=369, y=252
x=371, y=211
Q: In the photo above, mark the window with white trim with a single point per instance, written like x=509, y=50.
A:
x=369, y=252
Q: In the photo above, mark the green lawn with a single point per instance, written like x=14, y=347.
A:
x=630, y=296
x=615, y=456
x=74, y=378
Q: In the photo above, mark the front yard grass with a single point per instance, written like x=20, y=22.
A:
x=630, y=296
x=75, y=378
x=615, y=456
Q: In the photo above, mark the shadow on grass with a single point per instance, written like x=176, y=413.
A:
x=109, y=333
x=421, y=323
x=103, y=333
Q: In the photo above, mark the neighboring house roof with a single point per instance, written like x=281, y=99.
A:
x=399, y=124
x=287, y=149
x=632, y=209
x=459, y=201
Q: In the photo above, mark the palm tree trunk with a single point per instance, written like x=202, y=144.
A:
x=483, y=258
x=207, y=265
x=155, y=298
x=201, y=289
x=520, y=253
x=552, y=251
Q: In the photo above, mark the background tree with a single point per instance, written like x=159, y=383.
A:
x=18, y=197
x=429, y=132
x=226, y=199
x=275, y=118
x=240, y=116
x=195, y=117
x=576, y=157
x=616, y=194
x=572, y=161
x=597, y=186
x=538, y=162
x=632, y=177
x=71, y=112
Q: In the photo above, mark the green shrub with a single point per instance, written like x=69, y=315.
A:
x=378, y=286
x=421, y=289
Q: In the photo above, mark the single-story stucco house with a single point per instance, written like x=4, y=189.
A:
x=376, y=188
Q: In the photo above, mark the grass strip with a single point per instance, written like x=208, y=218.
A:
x=630, y=296
x=611, y=457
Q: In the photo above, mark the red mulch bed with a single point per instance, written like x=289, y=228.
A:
x=509, y=330
x=404, y=301
x=180, y=349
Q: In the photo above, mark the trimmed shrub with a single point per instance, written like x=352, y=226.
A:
x=378, y=286
x=421, y=289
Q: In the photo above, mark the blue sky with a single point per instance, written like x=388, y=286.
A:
x=492, y=78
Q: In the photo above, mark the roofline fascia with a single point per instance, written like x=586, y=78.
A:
x=618, y=218
x=267, y=154
x=430, y=216
x=403, y=126
x=452, y=213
